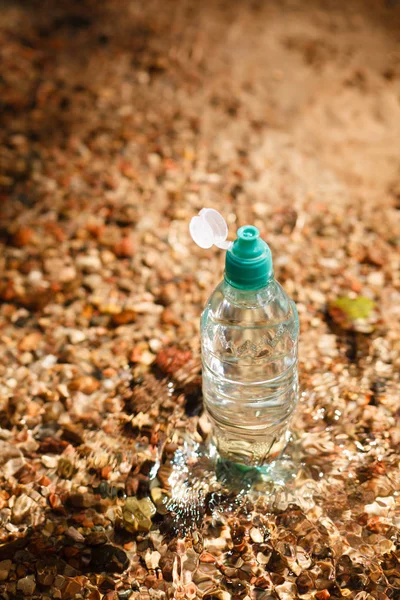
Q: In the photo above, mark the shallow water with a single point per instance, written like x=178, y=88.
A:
x=325, y=514
x=198, y=473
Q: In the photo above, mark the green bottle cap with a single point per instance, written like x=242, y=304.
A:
x=248, y=264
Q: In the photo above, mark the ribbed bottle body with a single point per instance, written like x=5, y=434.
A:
x=250, y=381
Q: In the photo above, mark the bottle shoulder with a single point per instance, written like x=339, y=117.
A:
x=250, y=335
x=267, y=306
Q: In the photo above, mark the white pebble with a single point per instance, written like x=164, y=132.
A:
x=49, y=461
x=49, y=361
x=35, y=276
x=147, y=358
x=381, y=507
x=90, y=264
x=26, y=358
x=377, y=278
x=327, y=345
x=22, y=505
x=256, y=535
x=152, y=559
x=155, y=345
x=76, y=336
x=67, y=274
x=12, y=466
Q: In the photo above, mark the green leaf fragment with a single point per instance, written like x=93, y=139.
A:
x=355, y=308
x=354, y=314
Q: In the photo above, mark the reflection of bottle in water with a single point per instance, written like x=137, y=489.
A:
x=249, y=331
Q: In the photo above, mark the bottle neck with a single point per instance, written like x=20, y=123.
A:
x=248, y=298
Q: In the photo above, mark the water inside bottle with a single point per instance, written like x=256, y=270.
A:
x=251, y=426
x=250, y=383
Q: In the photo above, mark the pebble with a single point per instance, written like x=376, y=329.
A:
x=45, y=573
x=96, y=538
x=30, y=342
x=381, y=507
x=147, y=358
x=52, y=412
x=26, y=358
x=260, y=208
x=137, y=514
x=263, y=558
x=155, y=345
x=152, y=559
x=5, y=567
x=72, y=588
x=22, y=237
x=67, y=274
x=27, y=585
x=107, y=257
x=85, y=500
x=93, y=281
x=108, y=558
x=88, y=263
x=12, y=467
x=256, y=535
x=50, y=462
x=317, y=297
x=109, y=308
x=59, y=581
x=169, y=317
x=218, y=595
x=35, y=276
x=286, y=591
x=305, y=582
x=323, y=595
x=63, y=390
x=74, y=534
x=85, y=384
x=49, y=361
x=124, y=594
x=172, y=359
x=76, y=336
x=124, y=317
x=147, y=308
x=327, y=344
x=377, y=279
x=168, y=294
x=124, y=248
x=65, y=468
x=22, y=505
x=205, y=424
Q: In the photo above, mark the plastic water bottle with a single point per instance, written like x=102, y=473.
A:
x=249, y=341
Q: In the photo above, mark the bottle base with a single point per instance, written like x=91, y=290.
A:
x=241, y=478
x=201, y=480
x=244, y=448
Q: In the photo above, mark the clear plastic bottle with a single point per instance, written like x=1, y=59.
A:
x=250, y=383
x=249, y=336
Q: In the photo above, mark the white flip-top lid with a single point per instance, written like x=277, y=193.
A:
x=209, y=229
